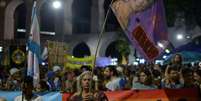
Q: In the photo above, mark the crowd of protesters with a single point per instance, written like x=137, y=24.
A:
x=110, y=78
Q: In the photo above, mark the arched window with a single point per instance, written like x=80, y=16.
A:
x=81, y=15
x=112, y=51
x=81, y=50
x=47, y=18
x=20, y=22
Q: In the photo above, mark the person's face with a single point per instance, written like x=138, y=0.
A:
x=57, y=73
x=199, y=64
x=70, y=76
x=177, y=58
x=142, y=77
x=156, y=67
x=38, y=87
x=86, y=81
x=196, y=77
x=173, y=74
x=188, y=78
x=17, y=76
x=84, y=69
x=107, y=72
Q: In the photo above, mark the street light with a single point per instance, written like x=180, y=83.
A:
x=188, y=37
x=1, y=49
x=160, y=45
x=142, y=61
x=164, y=57
x=56, y=4
x=43, y=63
x=167, y=51
x=180, y=36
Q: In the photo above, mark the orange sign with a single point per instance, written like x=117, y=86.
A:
x=145, y=43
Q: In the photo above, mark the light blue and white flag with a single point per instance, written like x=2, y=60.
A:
x=34, y=48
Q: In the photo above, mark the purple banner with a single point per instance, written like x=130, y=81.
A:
x=144, y=23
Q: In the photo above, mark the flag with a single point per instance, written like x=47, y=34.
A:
x=34, y=48
x=144, y=23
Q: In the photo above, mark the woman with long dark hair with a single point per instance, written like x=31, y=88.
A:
x=144, y=80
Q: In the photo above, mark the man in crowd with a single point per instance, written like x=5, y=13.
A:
x=27, y=94
x=14, y=80
x=114, y=82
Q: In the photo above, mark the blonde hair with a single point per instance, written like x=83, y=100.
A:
x=79, y=80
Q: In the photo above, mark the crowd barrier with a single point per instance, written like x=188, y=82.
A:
x=190, y=94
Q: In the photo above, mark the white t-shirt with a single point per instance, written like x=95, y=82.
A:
x=19, y=98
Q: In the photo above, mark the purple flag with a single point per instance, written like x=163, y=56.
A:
x=144, y=23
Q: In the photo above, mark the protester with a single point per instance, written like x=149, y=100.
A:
x=114, y=80
x=42, y=87
x=69, y=82
x=199, y=65
x=14, y=80
x=157, y=76
x=84, y=93
x=172, y=78
x=110, y=78
x=27, y=91
x=187, y=76
x=197, y=78
x=145, y=80
x=57, y=77
x=177, y=60
x=50, y=80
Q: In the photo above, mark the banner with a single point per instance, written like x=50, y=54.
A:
x=50, y=96
x=76, y=63
x=144, y=23
x=56, y=53
x=10, y=95
x=188, y=94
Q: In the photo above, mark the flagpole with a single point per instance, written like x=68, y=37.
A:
x=99, y=40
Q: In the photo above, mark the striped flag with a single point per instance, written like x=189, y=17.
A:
x=34, y=48
x=144, y=23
